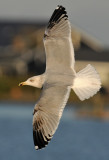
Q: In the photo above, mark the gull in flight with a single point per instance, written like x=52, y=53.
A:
x=59, y=78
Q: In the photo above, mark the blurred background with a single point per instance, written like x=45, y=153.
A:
x=84, y=128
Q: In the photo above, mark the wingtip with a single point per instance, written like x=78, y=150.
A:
x=58, y=14
x=39, y=140
x=60, y=6
x=36, y=147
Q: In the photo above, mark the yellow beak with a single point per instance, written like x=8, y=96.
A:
x=22, y=83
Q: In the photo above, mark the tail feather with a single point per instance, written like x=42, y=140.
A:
x=86, y=83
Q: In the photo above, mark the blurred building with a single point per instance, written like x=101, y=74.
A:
x=21, y=48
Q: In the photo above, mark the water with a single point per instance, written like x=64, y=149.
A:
x=75, y=139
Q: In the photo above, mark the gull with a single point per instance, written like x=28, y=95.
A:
x=59, y=78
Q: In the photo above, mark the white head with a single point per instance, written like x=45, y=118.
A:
x=36, y=81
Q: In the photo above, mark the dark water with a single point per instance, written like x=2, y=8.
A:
x=75, y=139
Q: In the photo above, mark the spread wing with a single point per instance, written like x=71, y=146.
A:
x=58, y=44
x=47, y=113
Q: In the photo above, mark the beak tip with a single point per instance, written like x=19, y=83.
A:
x=20, y=84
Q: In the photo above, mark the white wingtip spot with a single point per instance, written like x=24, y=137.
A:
x=36, y=147
x=57, y=7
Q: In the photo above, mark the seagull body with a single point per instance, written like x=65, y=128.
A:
x=59, y=78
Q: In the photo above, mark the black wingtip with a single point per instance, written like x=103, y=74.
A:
x=39, y=141
x=58, y=14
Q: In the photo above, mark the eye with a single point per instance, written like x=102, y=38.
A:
x=31, y=80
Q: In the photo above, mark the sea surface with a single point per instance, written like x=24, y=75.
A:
x=75, y=138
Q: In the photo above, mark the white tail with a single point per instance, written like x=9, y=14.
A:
x=86, y=83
